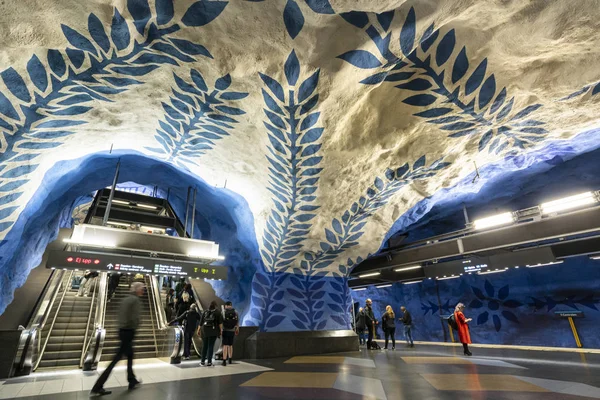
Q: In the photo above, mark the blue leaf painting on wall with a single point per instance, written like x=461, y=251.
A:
x=473, y=105
x=196, y=118
x=293, y=18
x=102, y=62
x=571, y=301
x=495, y=304
x=593, y=88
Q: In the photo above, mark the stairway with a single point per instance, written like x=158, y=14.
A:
x=66, y=340
x=144, y=344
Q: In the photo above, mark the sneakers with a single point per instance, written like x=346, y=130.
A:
x=393, y=347
x=209, y=364
x=202, y=363
x=101, y=392
x=186, y=358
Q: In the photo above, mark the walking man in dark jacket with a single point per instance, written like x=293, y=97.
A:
x=129, y=321
x=370, y=321
x=407, y=321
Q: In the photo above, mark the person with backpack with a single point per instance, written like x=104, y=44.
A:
x=360, y=325
x=388, y=323
x=211, y=326
x=231, y=327
x=462, y=326
x=191, y=320
x=407, y=321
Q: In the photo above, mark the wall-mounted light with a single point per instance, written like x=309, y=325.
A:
x=383, y=286
x=494, y=220
x=496, y=271
x=447, y=277
x=359, y=289
x=568, y=203
x=545, y=264
x=411, y=282
x=407, y=268
x=369, y=274
x=595, y=257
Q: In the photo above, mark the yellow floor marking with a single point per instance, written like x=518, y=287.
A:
x=316, y=360
x=477, y=382
x=436, y=360
x=319, y=380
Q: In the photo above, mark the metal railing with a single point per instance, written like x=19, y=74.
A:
x=92, y=347
x=172, y=334
x=28, y=351
x=153, y=308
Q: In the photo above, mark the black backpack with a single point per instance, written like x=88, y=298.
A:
x=231, y=319
x=452, y=322
x=209, y=319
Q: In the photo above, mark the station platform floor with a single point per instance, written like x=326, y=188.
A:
x=422, y=372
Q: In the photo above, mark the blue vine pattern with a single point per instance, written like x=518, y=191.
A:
x=195, y=118
x=100, y=64
x=464, y=104
x=434, y=308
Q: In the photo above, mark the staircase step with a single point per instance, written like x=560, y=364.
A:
x=72, y=325
x=58, y=347
x=68, y=362
x=136, y=355
x=61, y=355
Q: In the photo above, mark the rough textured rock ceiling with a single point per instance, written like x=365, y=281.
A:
x=331, y=118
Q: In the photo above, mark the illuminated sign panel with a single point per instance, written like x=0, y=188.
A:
x=135, y=265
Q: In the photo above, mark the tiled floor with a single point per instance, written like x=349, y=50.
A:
x=423, y=372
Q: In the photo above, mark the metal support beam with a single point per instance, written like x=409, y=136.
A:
x=187, y=206
x=112, y=194
x=193, y=212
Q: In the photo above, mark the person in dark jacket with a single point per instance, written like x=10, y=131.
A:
x=170, y=304
x=389, y=326
x=211, y=327
x=231, y=328
x=360, y=326
x=407, y=321
x=129, y=321
x=184, y=304
x=370, y=322
x=191, y=321
x=113, y=283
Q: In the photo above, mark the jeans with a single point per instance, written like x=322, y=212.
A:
x=208, y=347
x=126, y=349
x=408, y=334
x=187, y=342
x=390, y=332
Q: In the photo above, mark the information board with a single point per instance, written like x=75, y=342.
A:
x=133, y=265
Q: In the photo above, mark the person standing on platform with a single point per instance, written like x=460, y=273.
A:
x=370, y=322
x=211, y=326
x=231, y=327
x=360, y=325
x=407, y=321
x=389, y=326
x=192, y=320
x=129, y=321
x=463, y=327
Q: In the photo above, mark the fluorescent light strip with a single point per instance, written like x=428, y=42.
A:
x=448, y=277
x=91, y=244
x=407, y=268
x=359, y=289
x=117, y=223
x=147, y=206
x=368, y=275
x=411, y=282
x=493, y=272
x=545, y=264
x=205, y=256
x=595, y=257
x=495, y=220
x=383, y=286
x=121, y=202
x=579, y=200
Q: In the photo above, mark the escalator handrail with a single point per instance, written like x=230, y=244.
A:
x=62, y=298
x=92, y=354
x=29, y=336
x=161, y=320
x=196, y=297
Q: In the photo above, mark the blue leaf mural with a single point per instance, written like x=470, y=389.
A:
x=474, y=100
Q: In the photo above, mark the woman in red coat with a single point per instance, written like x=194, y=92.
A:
x=463, y=328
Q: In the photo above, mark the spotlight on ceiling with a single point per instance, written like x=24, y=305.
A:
x=369, y=275
x=568, y=203
x=494, y=220
x=407, y=268
x=595, y=257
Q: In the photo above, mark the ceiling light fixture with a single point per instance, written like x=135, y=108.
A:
x=89, y=243
x=568, y=203
x=121, y=202
x=411, y=282
x=359, y=289
x=495, y=220
x=595, y=257
x=493, y=272
x=383, y=286
x=407, y=268
x=147, y=206
x=370, y=274
x=446, y=278
x=545, y=264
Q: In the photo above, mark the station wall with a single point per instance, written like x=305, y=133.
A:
x=516, y=307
